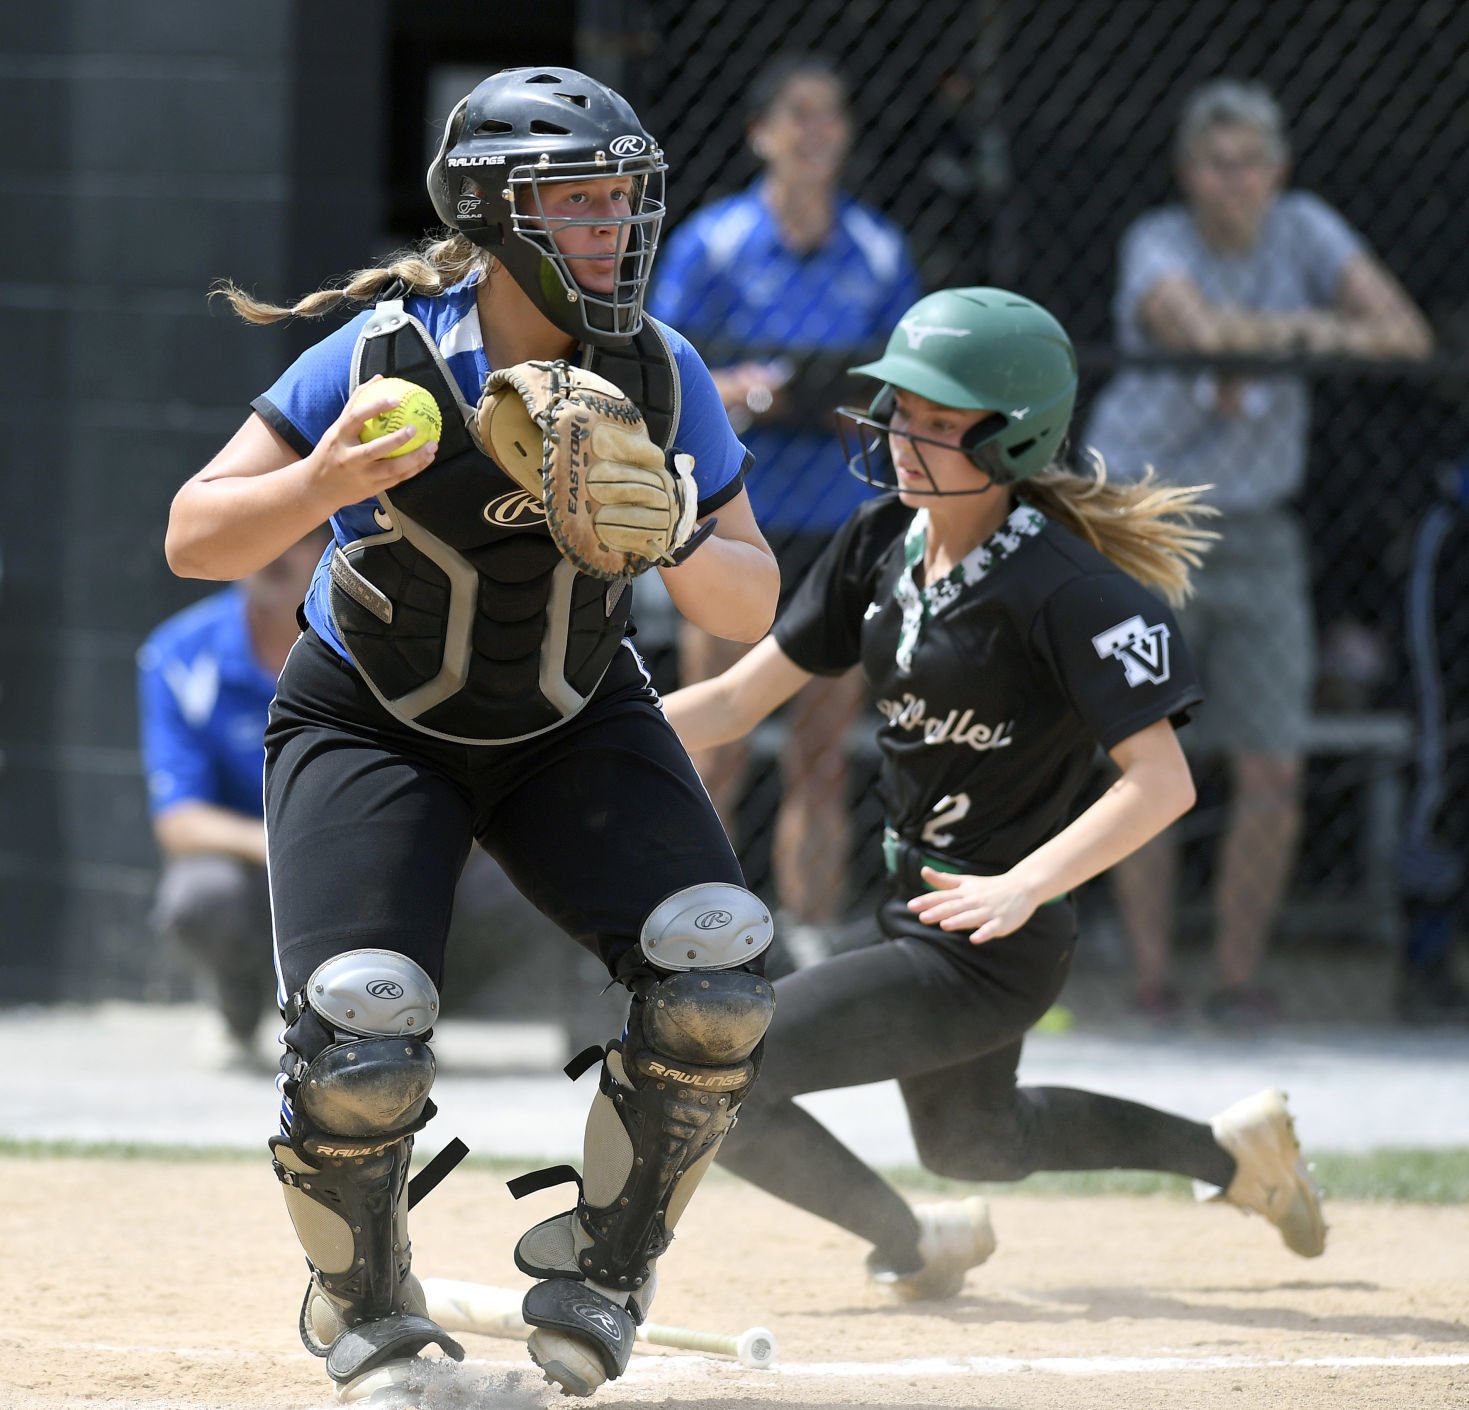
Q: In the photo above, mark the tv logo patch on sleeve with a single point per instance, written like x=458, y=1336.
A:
x=1143, y=650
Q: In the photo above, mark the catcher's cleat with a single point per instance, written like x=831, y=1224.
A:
x=386, y=1388
x=581, y=1336
x=1270, y=1177
x=952, y=1239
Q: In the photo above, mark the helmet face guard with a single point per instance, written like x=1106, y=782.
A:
x=507, y=146
x=866, y=442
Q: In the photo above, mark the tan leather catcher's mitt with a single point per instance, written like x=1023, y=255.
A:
x=580, y=446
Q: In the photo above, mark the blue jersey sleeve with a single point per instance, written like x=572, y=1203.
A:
x=309, y=395
x=720, y=460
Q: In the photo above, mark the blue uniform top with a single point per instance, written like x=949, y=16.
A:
x=309, y=396
x=202, y=702
x=724, y=276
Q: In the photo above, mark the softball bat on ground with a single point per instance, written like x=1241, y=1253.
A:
x=495, y=1312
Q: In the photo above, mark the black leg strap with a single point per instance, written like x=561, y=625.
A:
x=427, y=1178
x=584, y=1061
x=534, y=1180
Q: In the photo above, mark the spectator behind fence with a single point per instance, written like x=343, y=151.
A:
x=783, y=286
x=206, y=678
x=1243, y=267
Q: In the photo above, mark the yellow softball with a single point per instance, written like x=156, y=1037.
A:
x=416, y=407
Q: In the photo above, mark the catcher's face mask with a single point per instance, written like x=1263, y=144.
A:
x=597, y=233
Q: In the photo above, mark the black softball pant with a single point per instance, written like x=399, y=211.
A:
x=947, y=1020
x=369, y=821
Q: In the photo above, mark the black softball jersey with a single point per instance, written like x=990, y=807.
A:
x=997, y=683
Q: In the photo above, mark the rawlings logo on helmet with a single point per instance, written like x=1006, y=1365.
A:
x=540, y=126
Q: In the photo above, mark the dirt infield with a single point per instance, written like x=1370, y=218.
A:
x=133, y=1284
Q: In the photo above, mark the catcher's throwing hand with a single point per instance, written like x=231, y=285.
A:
x=986, y=906
x=579, y=444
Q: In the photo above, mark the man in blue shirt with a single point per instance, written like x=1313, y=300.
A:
x=206, y=678
x=782, y=287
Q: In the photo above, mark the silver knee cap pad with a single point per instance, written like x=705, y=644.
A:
x=709, y=926
x=373, y=993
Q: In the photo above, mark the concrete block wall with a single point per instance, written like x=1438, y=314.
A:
x=154, y=148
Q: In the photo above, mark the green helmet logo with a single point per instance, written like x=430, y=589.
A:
x=988, y=350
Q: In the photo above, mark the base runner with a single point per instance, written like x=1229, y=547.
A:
x=999, y=607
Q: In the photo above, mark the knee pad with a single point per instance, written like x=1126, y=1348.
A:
x=363, y=1066
x=358, y=1091
x=709, y=926
x=669, y=1090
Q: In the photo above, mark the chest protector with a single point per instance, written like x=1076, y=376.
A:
x=462, y=616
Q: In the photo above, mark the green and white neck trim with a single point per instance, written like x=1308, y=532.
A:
x=919, y=604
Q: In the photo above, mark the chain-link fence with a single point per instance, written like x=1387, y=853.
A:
x=996, y=143
x=1017, y=145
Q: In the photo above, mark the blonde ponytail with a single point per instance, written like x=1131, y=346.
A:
x=427, y=268
x=1148, y=529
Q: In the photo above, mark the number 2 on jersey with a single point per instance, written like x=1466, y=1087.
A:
x=947, y=810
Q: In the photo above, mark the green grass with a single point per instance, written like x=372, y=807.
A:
x=1410, y=1176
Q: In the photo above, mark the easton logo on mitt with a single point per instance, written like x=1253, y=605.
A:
x=580, y=445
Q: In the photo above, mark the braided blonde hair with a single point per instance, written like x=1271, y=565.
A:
x=429, y=267
x=1147, y=528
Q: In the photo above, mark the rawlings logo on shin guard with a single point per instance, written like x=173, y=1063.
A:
x=715, y=1081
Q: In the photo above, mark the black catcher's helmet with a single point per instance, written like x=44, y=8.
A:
x=520, y=130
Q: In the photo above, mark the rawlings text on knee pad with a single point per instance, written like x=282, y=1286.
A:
x=709, y=926
x=689, y=1056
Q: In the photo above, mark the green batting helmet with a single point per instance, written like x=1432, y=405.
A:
x=987, y=350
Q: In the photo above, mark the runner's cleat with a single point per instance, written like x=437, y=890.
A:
x=952, y=1239
x=1270, y=1178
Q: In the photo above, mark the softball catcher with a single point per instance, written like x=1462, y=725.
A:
x=465, y=673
